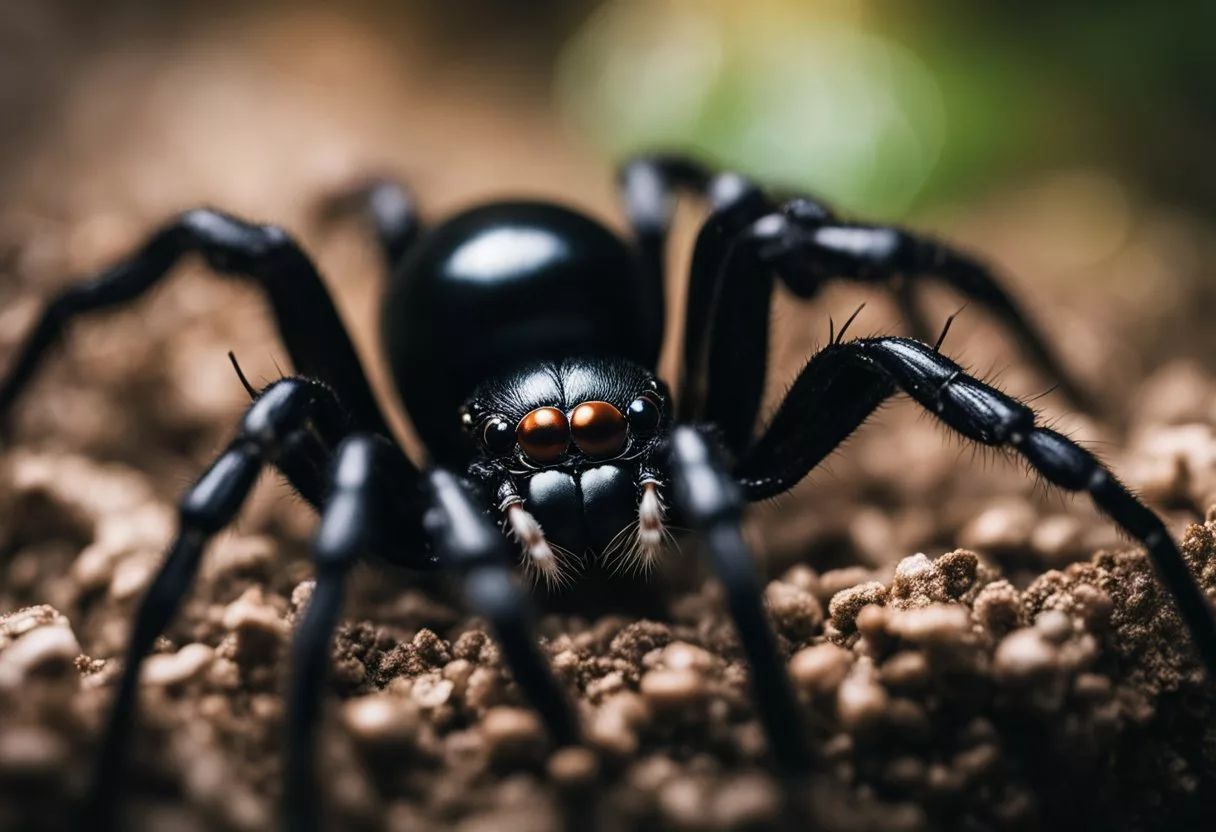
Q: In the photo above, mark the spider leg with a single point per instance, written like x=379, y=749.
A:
x=647, y=185
x=309, y=323
x=705, y=493
x=844, y=383
x=796, y=243
x=358, y=518
x=277, y=428
x=869, y=253
x=470, y=544
x=392, y=210
x=726, y=389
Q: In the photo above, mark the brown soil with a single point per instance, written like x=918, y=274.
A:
x=959, y=692
x=1045, y=683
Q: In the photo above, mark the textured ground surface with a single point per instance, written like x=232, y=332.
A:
x=1045, y=683
x=1037, y=685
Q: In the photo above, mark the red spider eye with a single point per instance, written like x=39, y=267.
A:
x=598, y=428
x=544, y=434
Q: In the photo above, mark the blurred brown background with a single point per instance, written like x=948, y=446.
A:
x=1067, y=144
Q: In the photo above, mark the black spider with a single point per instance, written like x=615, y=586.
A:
x=523, y=338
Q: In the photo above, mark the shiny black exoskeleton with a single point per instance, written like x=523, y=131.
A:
x=513, y=307
x=500, y=287
x=523, y=338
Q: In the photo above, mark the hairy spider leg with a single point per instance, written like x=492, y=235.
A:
x=873, y=253
x=844, y=383
x=862, y=253
x=362, y=517
x=647, y=186
x=704, y=492
x=468, y=542
x=308, y=322
x=278, y=426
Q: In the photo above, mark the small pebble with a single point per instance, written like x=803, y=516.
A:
x=16, y=624
x=913, y=576
x=746, y=802
x=1092, y=686
x=45, y=651
x=936, y=624
x=241, y=555
x=132, y=576
x=819, y=670
x=684, y=803
x=797, y=613
x=1059, y=538
x=574, y=768
x=1024, y=654
x=680, y=655
x=28, y=751
x=838, y=580
x=430, y=690
x=1055, y=626
x=512, y=733
x=166, y=669
x=861, y=701
x=1003, y=527
x=672, y=690
x=458, y=672
x=998, y=607
x=606, y=685
x=803, y=577
x=382, y=720
x=907, y=669
x=257, y=626
x=612, y=728
x=847, y=603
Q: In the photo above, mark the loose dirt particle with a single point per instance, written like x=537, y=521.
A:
x=672, y=690
x=44, y=651
x=847, y=603
x=512, y=733
x=574, y=768
x=382, y=720
x=819, y=670
x=186, y=664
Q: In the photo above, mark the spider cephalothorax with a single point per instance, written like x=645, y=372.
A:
x=523, y=338
x=568, y=448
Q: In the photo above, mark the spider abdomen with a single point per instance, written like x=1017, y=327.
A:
x=505, y=285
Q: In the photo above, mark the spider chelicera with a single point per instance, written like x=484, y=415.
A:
x=523, y=338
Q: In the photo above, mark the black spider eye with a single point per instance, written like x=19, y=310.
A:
x=498, y=436
x=643, y=414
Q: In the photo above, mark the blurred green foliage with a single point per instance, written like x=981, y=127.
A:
x=884, y=106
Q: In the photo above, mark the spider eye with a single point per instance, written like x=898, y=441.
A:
x=643, y=414
x=598, y=428
x=498, y=436
x=544, y=434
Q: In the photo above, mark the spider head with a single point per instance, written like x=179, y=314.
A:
x=570, y=442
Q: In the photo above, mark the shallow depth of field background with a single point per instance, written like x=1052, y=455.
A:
x=1067, y=144
x=1070, y=144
